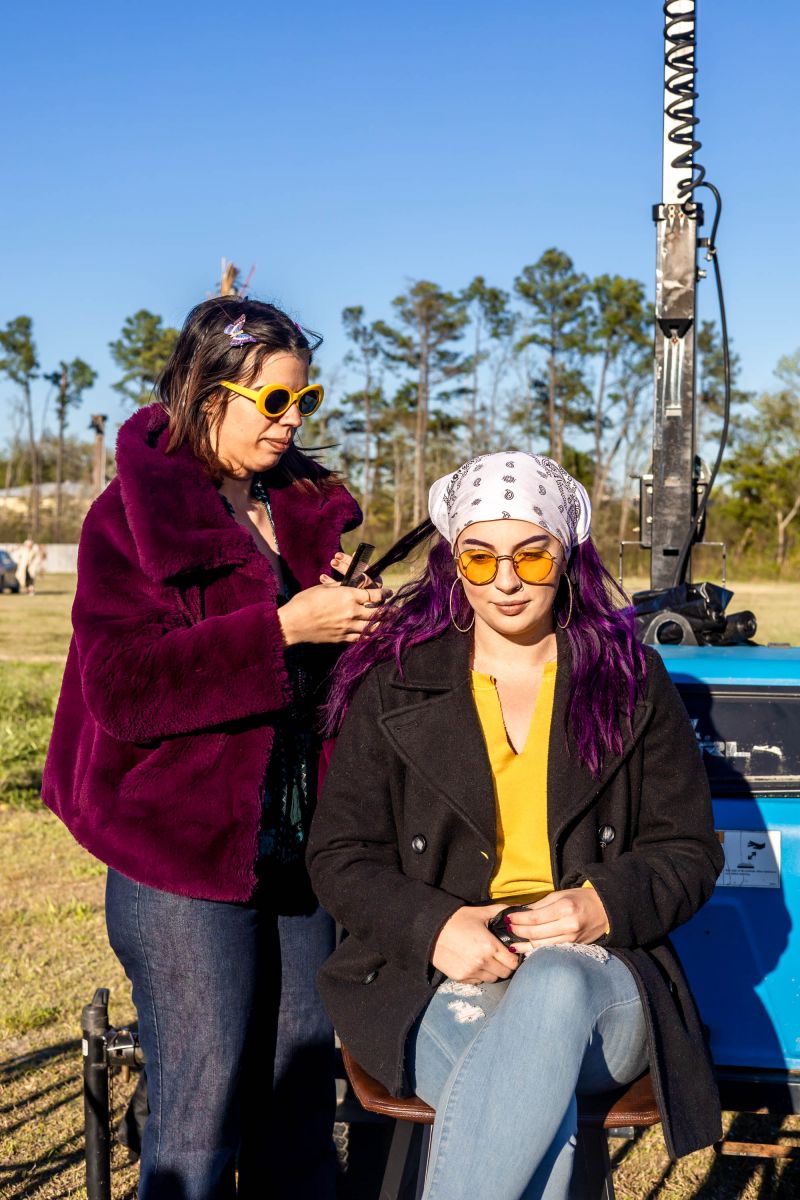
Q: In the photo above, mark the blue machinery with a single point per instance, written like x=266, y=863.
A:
x=742, y=951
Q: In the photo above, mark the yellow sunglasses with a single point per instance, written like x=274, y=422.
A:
x=481, y=566
x=275, y=399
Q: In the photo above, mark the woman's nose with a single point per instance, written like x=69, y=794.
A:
x=292, y=417
x=507, y=579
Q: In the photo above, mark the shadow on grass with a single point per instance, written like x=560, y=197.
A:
x=13, y=1068
x=729, y=1175
x=26, y=1178
x=41, y=1113
x=53, y=1113
x=34, y=1096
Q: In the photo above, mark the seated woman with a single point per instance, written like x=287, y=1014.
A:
x=508, y=742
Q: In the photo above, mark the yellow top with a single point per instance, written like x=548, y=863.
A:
x=523, y=870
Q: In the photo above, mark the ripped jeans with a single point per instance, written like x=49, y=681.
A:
x=502, y=1062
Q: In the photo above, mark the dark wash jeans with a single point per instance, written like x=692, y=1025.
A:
x=238, y=1048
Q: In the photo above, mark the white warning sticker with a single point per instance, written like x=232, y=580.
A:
x=752, y=858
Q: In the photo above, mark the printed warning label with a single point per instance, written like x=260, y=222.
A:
x=752, y=858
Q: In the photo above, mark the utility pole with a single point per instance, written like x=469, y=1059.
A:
x=98, y=425
x=63, y=385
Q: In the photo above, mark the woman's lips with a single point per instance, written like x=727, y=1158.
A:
x=512, y=607
x=278, y=443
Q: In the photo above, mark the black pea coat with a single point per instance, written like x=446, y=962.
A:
x=405, y=834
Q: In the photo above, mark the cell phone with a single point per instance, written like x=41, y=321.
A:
x=497, y=925
x=357, y=565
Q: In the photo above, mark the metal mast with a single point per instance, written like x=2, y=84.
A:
x=677, y=217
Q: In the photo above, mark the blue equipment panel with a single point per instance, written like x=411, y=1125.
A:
x=742, y=950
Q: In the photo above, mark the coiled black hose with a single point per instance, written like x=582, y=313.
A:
x=679, y=82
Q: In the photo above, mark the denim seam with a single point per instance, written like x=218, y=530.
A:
x=616, y=1004
x=441, y=1045
x=155, y=1027
x=446, y=1116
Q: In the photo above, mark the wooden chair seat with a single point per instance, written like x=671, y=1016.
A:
x=633, y=1105
x=404, y=1178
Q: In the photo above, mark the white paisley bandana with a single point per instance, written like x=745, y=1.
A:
x=512, y=485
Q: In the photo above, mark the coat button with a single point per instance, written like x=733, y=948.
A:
x=606, y=833
x=373, y=975
x=419, y=844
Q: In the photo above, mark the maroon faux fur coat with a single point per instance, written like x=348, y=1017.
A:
x=176, y=668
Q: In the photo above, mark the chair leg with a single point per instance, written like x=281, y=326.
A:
x=591, y=1177
x=402, y=1169
x=424, y=1158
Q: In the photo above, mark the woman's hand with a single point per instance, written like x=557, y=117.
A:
x=328, y=613
x=574, y=915
x=466, y=951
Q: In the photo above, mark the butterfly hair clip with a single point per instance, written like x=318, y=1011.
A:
x=236, y=332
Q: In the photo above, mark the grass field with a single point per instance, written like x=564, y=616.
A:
x=55, y=952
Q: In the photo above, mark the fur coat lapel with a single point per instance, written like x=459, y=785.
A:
x=179, y=524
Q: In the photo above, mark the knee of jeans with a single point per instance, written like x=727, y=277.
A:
x=561, y=981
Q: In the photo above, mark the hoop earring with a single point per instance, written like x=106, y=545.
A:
x=452, y=618
x=569, y=614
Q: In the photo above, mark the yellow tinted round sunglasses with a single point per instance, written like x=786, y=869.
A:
x=275, y=399
x=531, y=566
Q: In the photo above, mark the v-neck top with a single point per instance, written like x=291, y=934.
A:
x=523, y=870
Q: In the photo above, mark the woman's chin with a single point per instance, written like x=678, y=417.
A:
x=268, y=456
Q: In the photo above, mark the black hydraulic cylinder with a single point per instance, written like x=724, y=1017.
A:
x=96, y=1109
x=673, y=496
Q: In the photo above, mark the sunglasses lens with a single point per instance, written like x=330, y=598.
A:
x=277, y=402
x=533, y=566
x=309, y=402
x=478, y=566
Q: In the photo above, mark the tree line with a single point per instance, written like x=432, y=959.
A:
x=559, y=363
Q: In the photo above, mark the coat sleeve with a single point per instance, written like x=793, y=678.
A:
x=353, y=854
x=675, y=855
x=145, y=674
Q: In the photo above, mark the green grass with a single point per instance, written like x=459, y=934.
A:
x=37, y=628
x=55, y=952
x=28, y=694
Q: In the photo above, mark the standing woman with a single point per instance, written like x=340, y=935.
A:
x=513, y=747
x=184, y=752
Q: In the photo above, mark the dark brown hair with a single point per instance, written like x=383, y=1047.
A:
x=189, y=386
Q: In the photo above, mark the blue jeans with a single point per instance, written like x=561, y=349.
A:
x=502, y=1062
x=238, y=1049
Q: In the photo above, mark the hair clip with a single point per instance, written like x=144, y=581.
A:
x=236, y=332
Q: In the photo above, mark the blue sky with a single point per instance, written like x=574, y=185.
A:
x=348, y=148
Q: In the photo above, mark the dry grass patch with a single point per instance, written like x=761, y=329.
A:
x=37, y=628
x=55, y=952
x=51, y=923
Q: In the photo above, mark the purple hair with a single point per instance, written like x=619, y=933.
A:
x=608, y=663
